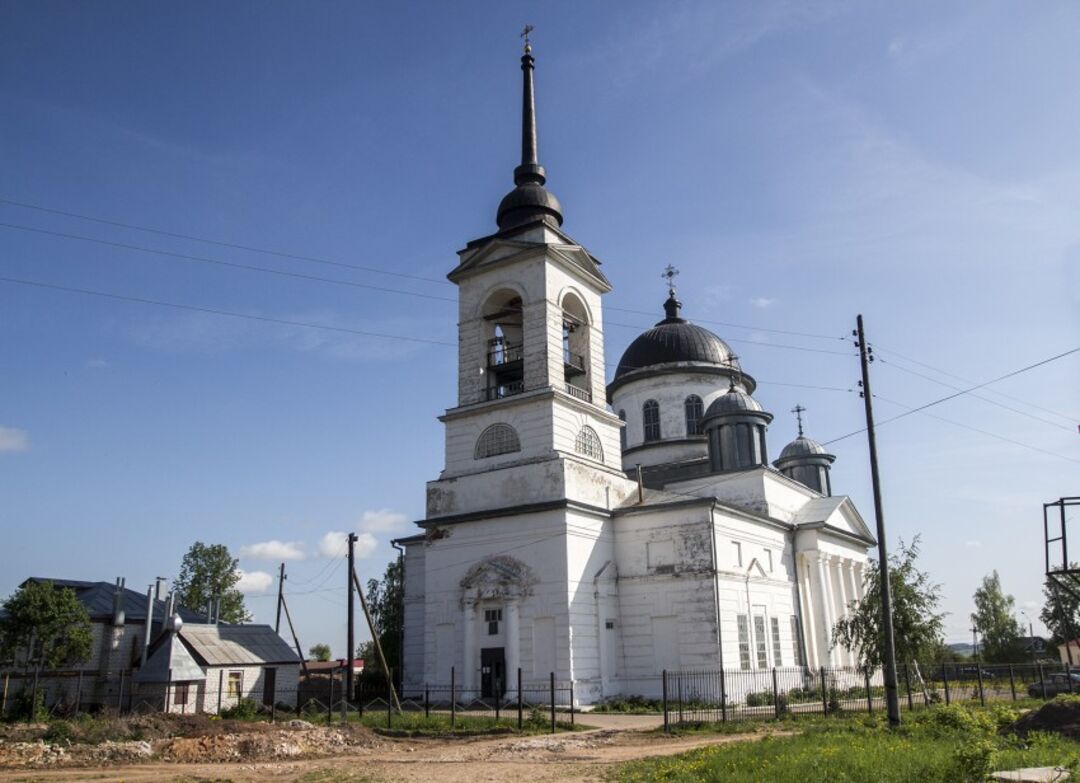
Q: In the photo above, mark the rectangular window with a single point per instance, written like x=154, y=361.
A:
x=738, y=553
x=777, y=658
x=180, y=694
x=493, y=617
x=760, y=643
x=796, y=642
x=660, y=554
x=744, y=643
x=768, y=555
x=236, y=685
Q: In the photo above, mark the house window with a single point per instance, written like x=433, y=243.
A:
x=759, y=640
x=622, y=430
x=493, y=617
x=609, y=625
x=738, y=553
x=180, y=694
x=695, y=409
x=236, y=685
x=497, y=439
x=588, y=443
x=744, y=643
x=650, y=415
x=768, y=554
x=796, y=642
x=777, y=658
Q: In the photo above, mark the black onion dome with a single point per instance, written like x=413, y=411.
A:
x=675, y=340
x=802, y=446
x=527, y=202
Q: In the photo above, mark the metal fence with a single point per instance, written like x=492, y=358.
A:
x=723, y=695
x=542, y=705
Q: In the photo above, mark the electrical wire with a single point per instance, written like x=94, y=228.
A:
x=215, y=311
x=231, y=264
x=219, y=243
x=734, y=325
x=640, y=328
x=948, y=397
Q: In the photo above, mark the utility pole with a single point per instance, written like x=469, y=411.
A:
x=349, y=673
x=892, y=697
x=280, y=597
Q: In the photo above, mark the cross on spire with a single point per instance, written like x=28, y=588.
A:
x=799, y=410
x=670, y=273
x=525, y=34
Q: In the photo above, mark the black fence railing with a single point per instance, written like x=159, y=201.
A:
x=723, y=695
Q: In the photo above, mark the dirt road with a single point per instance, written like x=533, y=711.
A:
x=578, y=758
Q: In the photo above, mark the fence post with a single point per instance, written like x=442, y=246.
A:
x=427, y=702
x=1042, y=680
x=453, y=698
x=521, y=702
x=907, y=683
x=723, y=696
x=220, y=687
x=982, y=693
x=869, y=699
x=663, y=699
x=1012, y=681
x=360, y=699
x=945, y=679
x=553, y=702
x=3, y=699
x=345, y=696
x=78, y=692
x=824, y=694
x=775, y=695
x=33, y=699
x=498, y=697
x=390, y=704
x=330, y=699
x=571, y=702
x=1068, y=677
x=678, y=685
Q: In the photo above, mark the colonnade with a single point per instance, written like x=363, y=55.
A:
x=827, y=584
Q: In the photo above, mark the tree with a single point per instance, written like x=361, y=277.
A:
x=320, y=652
x=210, y=572
x=385, y=604
x=917, y=625
x=995, y=620
x=1061, y=612
x=46, y=626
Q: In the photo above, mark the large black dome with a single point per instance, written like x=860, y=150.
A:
x=675, y=340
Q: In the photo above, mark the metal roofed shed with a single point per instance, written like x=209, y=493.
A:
x=237, y=645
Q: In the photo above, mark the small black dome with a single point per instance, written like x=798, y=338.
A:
x=802, y=446
x=675, y=340
x=527, y=202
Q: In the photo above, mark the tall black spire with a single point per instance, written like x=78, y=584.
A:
x=528, y=201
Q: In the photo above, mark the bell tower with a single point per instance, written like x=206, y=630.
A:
x=531, y=411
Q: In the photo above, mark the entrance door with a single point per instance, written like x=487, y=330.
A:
x=269, y=686
x=492, y=671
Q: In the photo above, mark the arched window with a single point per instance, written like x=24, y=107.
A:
x=497, y=439
x=695, y=409
x=622, y=431
x=588, y=443
x=650, y=417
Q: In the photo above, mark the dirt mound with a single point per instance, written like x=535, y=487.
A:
x=265, y=746
x=1062, y=716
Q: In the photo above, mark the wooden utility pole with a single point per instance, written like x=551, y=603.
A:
x=350, y=643
x=280, y=597
x=375, y=639
x=296, y=639
x=892, y=696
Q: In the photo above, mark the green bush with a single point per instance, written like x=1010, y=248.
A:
x=245, y=709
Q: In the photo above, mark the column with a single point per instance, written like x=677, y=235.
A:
x=513, y=644
x=853, y=584
x=860, y=580
x=806, y=610
x=825, y=610
x=838, y=564
x=469, y=663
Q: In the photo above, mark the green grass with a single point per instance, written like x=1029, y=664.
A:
x=937, y=745
x=439, y=723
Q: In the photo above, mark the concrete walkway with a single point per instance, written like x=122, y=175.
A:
x=615, y=720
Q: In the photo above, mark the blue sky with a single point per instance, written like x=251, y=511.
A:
x=799, y=163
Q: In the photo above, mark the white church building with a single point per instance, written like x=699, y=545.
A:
x=607, y=532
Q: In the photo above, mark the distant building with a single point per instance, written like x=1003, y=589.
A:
x=1069, y=652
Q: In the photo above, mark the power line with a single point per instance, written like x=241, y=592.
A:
x=734, y=325
x=228, y=313
x=896, y=366
x=961, y=392
x=640, y=328
x=232, y=264
x=219, y=243
x=1067, y=417
x=976, y=429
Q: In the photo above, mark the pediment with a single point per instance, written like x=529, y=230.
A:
x=836, y=514
x=499, y=577
x=494, y=252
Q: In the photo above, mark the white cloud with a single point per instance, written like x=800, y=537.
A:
x=96, y=364
x=254, y=582
x=761, y=301
x=383, y=521
x=12, y=439
x=973, y=543
x=274, y=550
x=333, y=544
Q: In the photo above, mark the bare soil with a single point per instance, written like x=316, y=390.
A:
x=313, y=755
x=1061, y=715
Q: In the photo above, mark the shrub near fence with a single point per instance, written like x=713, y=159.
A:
x=723, y=695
